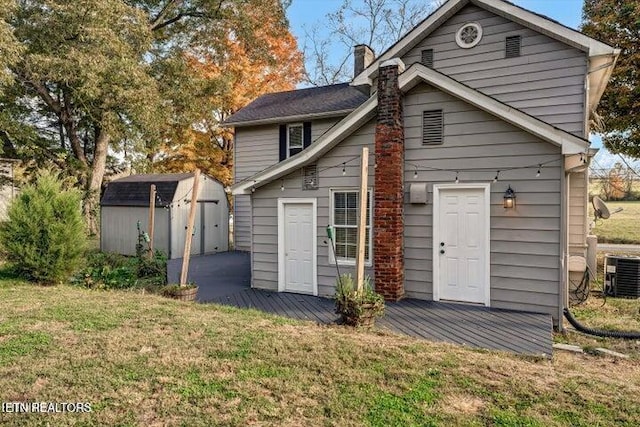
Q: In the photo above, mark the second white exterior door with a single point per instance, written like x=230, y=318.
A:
x=461, y=244
x=298, y=248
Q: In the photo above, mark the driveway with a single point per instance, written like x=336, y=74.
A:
x=610, y=247
x=216, y=275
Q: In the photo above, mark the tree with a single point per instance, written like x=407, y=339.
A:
x=376, y=23
x=95, y=77
x=44, y=235
x=208, y=146
x=616, y=23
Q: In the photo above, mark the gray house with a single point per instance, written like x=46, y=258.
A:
x=126, y=201
x=477, y=122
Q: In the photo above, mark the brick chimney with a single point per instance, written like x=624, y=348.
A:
x=362, y=57
x=388, y=227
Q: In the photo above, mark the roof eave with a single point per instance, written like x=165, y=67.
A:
x=288, y=119
x=324, y=143
x=569, y=143
x=517, y=14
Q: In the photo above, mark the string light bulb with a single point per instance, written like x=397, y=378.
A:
x=457, y=179
x=495, y=179
x=538, y=173
x=282, y=185
x=415, y=174
x=344, y=169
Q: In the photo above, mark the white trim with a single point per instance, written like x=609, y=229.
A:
x=332, y=257
x=436, y=235
x=522, y=16
x=281, y=262
x=284, y=119
x=324, y=143
x=416, y=74
x=295, y=125
x=462, y=43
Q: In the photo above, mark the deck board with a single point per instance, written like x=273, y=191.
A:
x=480, y=327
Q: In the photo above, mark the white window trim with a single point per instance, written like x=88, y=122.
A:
x=281, y=243
x=293, y=125
x=332, y=257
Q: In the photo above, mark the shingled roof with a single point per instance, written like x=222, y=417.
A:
x=134, y=190
x=298, y=104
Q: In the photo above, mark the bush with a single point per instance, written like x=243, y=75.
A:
x=114, y=271
x=44, y=236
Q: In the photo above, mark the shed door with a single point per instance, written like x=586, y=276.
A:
x=212, y=227
x=462, y=245
x=299, y=250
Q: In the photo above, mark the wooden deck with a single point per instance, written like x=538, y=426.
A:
x=480, y=327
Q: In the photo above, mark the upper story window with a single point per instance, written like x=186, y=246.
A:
x=513, y=45
x=427, y=58
x=469, y=35
x=294, y=138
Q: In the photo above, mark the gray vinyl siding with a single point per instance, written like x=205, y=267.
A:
x=525, y=242
x=265, y=211
x=578, y=190
x=546, y=81
x=257, y=148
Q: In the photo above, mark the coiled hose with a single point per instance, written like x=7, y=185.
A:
x=625, y=335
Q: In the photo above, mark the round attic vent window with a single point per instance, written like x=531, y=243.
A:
x=469, y=35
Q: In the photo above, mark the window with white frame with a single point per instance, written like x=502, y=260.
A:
x=344, y=219
x=295, y=139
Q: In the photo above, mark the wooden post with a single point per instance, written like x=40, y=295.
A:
x=152, y=217
x=189, y=236
x=362, y=218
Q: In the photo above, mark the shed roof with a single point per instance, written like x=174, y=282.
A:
x=323, y=101
x=134, y=190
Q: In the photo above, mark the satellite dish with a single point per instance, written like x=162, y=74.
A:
x=600, y=208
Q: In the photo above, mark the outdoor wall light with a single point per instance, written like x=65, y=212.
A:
x=509, y=198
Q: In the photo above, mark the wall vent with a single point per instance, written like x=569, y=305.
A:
x=310, y=177
x=432, y=127
x=513, y=44
x=427, y=58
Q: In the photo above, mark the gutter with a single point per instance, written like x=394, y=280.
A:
x=284, y=119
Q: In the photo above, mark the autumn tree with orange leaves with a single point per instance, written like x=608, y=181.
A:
x=204, y=144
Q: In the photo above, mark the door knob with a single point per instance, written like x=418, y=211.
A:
x=441, y=251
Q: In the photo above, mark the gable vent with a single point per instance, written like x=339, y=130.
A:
x=427, y=58
x=513, y=44
x=432, y=127
x=310, y=177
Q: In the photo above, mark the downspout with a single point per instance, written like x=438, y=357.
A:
x=563, y=297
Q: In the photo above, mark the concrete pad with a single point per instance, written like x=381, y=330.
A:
x=568, y=347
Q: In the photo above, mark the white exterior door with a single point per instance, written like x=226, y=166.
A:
x=461, y=243
x=297, y=238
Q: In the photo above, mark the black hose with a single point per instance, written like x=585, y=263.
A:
x=625, y=335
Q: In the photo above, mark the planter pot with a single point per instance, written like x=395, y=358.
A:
x=365, y=320
x=184, y=294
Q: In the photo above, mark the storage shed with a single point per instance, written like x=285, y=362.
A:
x=126, y=201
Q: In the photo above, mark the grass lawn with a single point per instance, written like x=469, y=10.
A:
x=598, y=312
x=144, y=360
x=623, y=227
